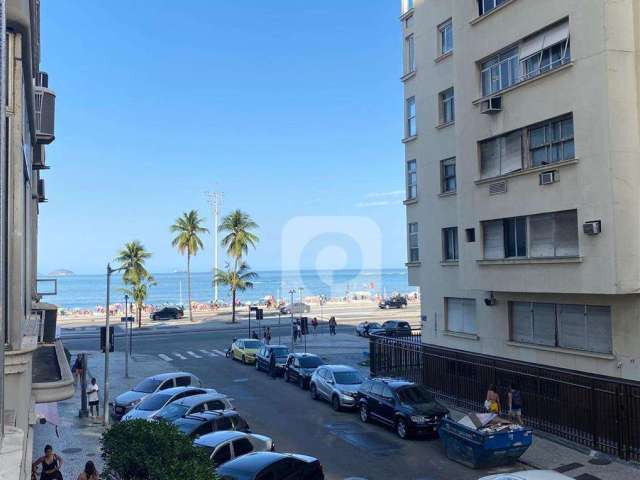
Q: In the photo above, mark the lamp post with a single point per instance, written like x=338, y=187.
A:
x=291, y=292
x=126, y=330
x=107, y=343
x=300, y=290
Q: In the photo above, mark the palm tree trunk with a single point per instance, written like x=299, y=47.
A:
x=139, y=314
x=189, y=284
x=233, y=306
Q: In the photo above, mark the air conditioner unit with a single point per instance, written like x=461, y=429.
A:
x=492, y=105
x=41, y=196
x=547, y=178
x=45, y=105
x=39, y=158
x=592, y=228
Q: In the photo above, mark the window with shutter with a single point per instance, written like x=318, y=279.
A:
x=566, y=234
x=521, y=324
x=544, y=324
x=599, y=329
x=461, y=315
x=541, y=235
x=493, y=239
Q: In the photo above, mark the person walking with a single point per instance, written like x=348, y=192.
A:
x=515, y=404
x=77, y=370
x=332, y=325
x=92, y=397
x=268, y=335
x=254, y=335
x=294, y=332
x=273, y=369
x=298, y=330
x=314, y=324
x=492, y=402
x=89, y=472
x=51, y=465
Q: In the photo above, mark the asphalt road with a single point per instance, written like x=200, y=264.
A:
x=346, y=447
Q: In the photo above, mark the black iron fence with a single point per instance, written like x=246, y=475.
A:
x=602, y=413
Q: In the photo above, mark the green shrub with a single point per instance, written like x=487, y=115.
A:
x=143, y=450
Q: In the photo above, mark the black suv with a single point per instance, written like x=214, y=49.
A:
x=300, y=367
x=395, y=302
x=198, y=424
x=392, y=328
x=168, y=313
x=407, y=407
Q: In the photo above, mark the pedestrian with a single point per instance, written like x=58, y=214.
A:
x=314, y=324
x=273, y=369
x=515, y=404
x=492, y=402
x=89, y=472
x=254, y=335
x=268, y=335
x=298, y=330
x=332, y=325
x=92, y=396
x=294, y=332
x=51, y=465
x=77, y=370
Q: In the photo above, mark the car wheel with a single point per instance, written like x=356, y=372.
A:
x=401, y=428
x=301, y=382
x=314, y=392
x=335, y=403
x=364, y=414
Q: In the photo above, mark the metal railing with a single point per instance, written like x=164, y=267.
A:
x=602, y=413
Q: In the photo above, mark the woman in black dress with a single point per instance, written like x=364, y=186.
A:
x=51, y=465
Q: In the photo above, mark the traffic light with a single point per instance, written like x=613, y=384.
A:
x=259, y=314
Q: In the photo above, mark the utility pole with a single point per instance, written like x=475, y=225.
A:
x=291, y=292
x=215, y=202
x=126, y=330
x=107, y=344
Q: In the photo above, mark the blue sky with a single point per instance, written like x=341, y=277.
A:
x=291, y=108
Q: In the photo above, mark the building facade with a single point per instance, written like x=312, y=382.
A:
x=523, y=178
x=33, y=367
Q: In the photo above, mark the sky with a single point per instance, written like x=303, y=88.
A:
x=292, y=109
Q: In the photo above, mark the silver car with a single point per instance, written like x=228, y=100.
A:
x=153, y=403
x=194, y=404
x=337, y=384
x=226, y=445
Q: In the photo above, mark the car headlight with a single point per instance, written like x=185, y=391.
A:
x=133, y=403
x=346, y=396
x=418, y=419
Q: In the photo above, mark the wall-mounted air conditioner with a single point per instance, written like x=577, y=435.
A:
x=547, y=178
x=45, y=104
x=592, y=228
x=491, y=105
x=41, y=194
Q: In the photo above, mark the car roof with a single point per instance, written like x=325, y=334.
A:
x=164, y=376
x=202, y=397
x=277, y=346
x=302, y=355
x=176, y=390
x=209, y=415
x=339, y=368
x=254, y=462
x=393, y=382
x=246, y=339
x=216, y=438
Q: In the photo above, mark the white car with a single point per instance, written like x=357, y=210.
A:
x=152, y=404
x=227, y=445
x=528, y=475
x=295, y=308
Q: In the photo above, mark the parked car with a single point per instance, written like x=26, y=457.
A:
x=153, y=403
x=272, y=466
x=198, y=424
x=392, y=328
x=295, y=308
x=393, y=302
x=127, y=400
x=226, y=445
x=300, y=367
x=194, y=404
x=168, y=313
x=245, y=349
x=407, y=407
x=528, y=475
x=337, y=384
x=263, y=357
x=363, y=328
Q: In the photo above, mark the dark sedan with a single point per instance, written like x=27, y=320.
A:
x=300, y=367
x=395, y=302
x=263, y=357
x=202, y=423
x=168, y=313
x=408, y=408
x=392, y=328
x=272, y=466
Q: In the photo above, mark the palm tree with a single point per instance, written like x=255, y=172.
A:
x=132, y=258
x=238, y=225
x=188, y=227
x=238, y=279
x=138, y=293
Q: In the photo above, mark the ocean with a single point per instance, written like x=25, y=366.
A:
x=88, y=291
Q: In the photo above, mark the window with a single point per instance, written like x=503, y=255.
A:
x=499, y=72
x=447, y=107
x=578, y=327
x=183, y=381
x=203, y=429
x=377, y=388
x=409, y=55
x=461, y=315
x=551, y=142
x=386, y=393
x=411, y=117
x=201, y=407
x=166, y=384
x=408, y=5
x=224, y=423
x=215, y=405
x=223, y=454
x=450, y=244
x=242, y=446
x=536, y=236
x=414, y=255
x=412, y=180
x=471, y=235
x=448, y=175
x=445, y=37
x=501, y=155
x=485, y=6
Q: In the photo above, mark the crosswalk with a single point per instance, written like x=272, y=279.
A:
x=199, y=353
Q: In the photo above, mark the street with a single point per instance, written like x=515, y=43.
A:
x=346, y=447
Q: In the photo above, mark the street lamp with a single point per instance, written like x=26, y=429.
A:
x=126, y=330
x=291, y=292
x=300, y=290
x=107, y=343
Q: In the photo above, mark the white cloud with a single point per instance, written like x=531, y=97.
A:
x=378, y=203
x=393, y=193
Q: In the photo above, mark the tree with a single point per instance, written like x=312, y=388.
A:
x=237, y=279
x=188, y=227
x=138, y=294
x=143, y=450
x=238, y=225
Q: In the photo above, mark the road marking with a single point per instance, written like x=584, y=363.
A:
x=166, y=358
x=194, y=355
x=181, y=357
x=220, y=353
x=208, y=353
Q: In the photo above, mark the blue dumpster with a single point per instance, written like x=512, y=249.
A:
x=486, y=443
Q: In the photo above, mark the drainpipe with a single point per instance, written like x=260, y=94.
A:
x=3, y=178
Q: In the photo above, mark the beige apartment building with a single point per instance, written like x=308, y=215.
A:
x=33, y=367
x=522, y=141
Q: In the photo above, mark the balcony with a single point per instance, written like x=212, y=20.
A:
x=51, y=376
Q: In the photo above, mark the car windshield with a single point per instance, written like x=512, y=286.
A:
x=148, y=385
x=207, y=449
x=348, y=378
x=154, y=402
x=252, y=344
x=414, y=394
x=310, y=362
x=280, y=352
x=173, y=412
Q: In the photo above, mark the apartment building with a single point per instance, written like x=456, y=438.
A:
x=33, y=366
x=522, y=167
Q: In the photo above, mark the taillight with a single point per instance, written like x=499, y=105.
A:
x=273, y=446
